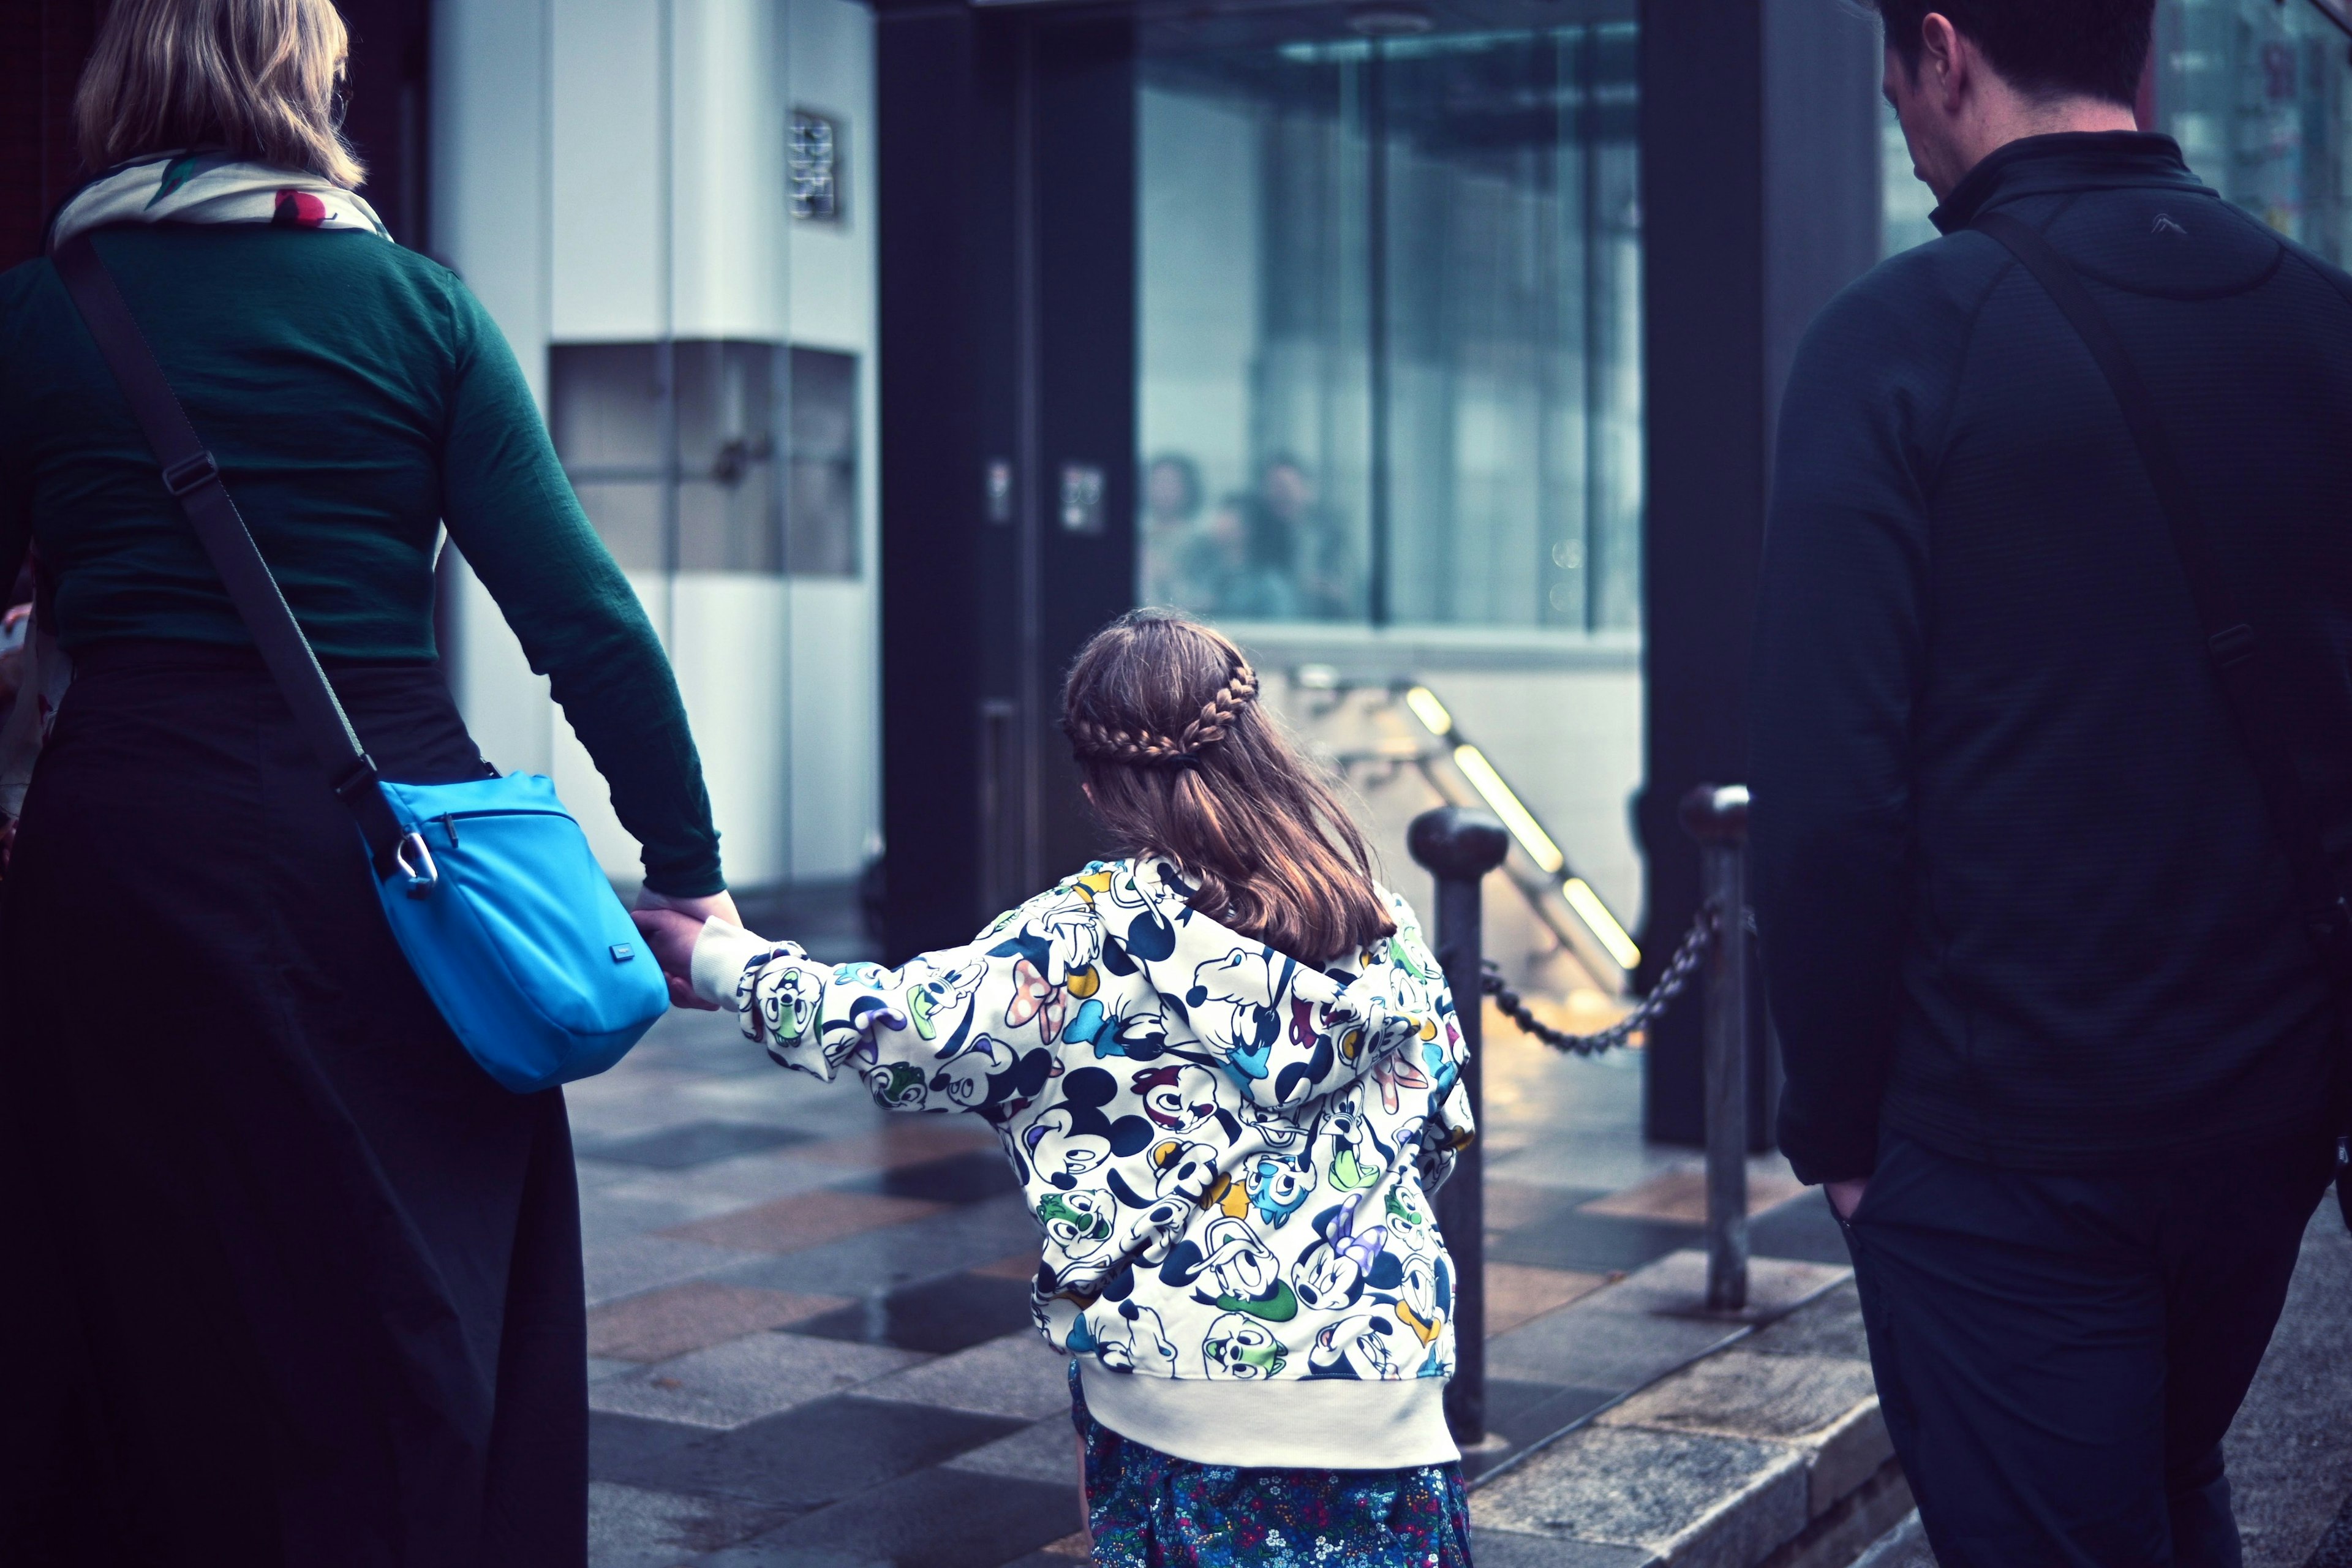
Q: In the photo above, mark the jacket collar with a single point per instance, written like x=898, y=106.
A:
x=2070, y=161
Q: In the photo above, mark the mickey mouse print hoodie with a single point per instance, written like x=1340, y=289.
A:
x=1229, y=1150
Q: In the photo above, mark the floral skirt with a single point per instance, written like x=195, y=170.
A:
x=1150, y=1509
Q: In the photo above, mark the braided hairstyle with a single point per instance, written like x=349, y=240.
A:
x=1181, y=760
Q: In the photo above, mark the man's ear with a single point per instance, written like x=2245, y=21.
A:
x=1946, y=61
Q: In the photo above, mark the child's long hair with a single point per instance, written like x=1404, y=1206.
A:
x=1181, y=761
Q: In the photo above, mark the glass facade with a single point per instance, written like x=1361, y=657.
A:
x=2259, y=95
x=1389, y=322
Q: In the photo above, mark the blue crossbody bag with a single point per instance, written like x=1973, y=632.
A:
x=490, y=885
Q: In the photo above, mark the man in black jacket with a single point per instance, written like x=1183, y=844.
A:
x=2055, y=1038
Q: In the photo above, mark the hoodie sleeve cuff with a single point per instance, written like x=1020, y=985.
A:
x=720, y=956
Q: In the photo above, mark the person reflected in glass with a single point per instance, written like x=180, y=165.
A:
x=1259, y=555
x=1321, y=559
x=1181, y=559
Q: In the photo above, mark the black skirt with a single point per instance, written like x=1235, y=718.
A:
x=298, y=1283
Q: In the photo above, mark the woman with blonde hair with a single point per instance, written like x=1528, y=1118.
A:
x=307, y=1280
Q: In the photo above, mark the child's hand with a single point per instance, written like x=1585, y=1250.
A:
x=671, y=937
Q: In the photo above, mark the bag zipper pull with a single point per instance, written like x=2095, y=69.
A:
x=449, y=825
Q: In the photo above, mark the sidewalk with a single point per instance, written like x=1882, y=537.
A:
x=809, y=1328
x=811, y=1344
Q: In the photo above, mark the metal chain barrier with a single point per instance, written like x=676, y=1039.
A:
x=1672, y=984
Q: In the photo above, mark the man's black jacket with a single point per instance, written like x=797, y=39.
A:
x=2019, y=893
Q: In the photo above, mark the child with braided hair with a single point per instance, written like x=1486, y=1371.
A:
x=1224, y=1070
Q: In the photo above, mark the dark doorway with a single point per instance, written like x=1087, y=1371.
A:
x=1008, y=433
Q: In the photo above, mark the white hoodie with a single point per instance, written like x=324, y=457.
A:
x=1229, y=1152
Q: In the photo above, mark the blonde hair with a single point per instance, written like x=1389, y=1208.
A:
x=1181, y=760
x=257, y=77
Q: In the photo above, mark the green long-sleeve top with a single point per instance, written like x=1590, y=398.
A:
x=355, y=394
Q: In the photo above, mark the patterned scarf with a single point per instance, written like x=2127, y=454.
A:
x=213, y=187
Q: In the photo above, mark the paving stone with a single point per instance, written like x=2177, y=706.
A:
x=1828, y=1325
x=1803, y=1227
x=1680, y=1196
x=808, y=1219
x=729, y=1184
x=1021, y=1266
x=1508, y=1549
x=690, y=1144
x=1510, y=1205
x=600, y=1368
x=1528, y=1413
x=1074, y=1547
x=1516, y=1292
x=631, y=1264
x=745, y=1379
x=1568, y=1238
x=1047, y=1452
x=1695, y=1500
x=1906, y=1546
x=925, y=1249
x=619, y=1446
x=1676, y=1285
x=932, y=1518
x=813, y=1455
x=1742, y=1394
x=1848, y=1454
x=903, y=1141
x=1588, y=1345
x=963, y=1178
x=935, y=1316
x=672, y=1322
x=610, y=1213
x=629, y=1527
x=1016, y=1374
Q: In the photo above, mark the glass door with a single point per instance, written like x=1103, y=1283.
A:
x=1389, y=337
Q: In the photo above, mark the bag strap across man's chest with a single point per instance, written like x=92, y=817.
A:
x=2242, y=662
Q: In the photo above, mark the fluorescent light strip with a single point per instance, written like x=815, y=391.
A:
x=1595, y=914
x=1523, y=825
x=1429, y=710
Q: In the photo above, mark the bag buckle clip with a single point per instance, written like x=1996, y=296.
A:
x=190, y=474
x=421, y=882
x=2231, y=645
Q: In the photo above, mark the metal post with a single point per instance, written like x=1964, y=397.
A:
x=1717, y=818
x=1459, y=846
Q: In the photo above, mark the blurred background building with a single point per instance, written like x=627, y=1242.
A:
x=1430, y=347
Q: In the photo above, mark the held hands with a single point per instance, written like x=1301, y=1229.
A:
x=671, y=927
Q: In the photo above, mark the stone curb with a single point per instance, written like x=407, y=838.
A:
x=1765, y=1450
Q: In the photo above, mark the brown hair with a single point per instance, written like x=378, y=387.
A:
x=1179, y=761
x=255, y=77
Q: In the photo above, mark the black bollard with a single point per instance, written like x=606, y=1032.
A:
x=1717, y=818
x=1459, y=846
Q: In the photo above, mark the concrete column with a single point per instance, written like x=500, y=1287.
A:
x=1759, y=200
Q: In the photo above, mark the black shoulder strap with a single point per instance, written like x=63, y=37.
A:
x=2240, y=662
x=194, y=480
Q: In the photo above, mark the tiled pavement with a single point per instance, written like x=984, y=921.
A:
x=809, y=1333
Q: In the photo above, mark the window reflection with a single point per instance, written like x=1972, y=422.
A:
x=2259, y=95
x=726, y=504
x=1389, y=304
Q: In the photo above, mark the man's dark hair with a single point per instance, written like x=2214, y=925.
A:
x=2040, y=47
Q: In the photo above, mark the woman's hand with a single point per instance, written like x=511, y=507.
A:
x=671, y=934
x=692, y=913
x=718, y=906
